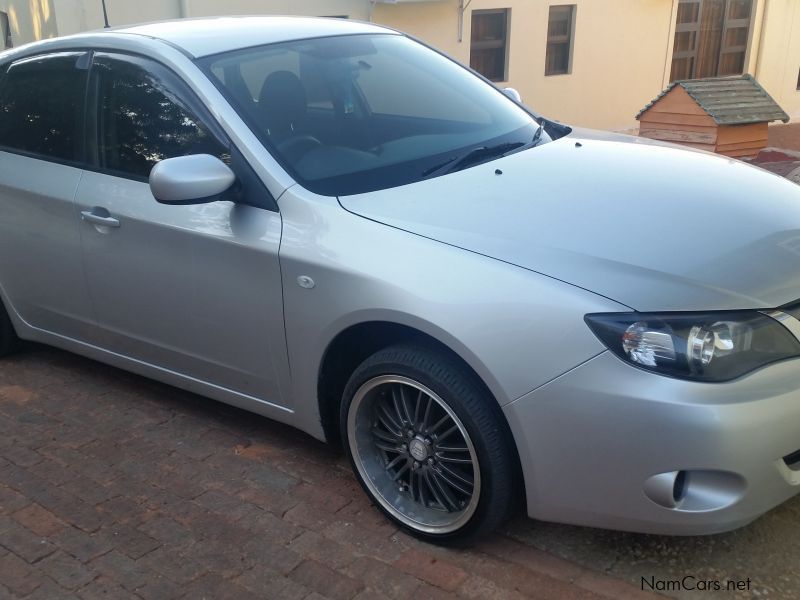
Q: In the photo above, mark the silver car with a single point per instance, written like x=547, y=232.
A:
x=334, y=226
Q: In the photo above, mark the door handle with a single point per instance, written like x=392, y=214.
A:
x=99, y=216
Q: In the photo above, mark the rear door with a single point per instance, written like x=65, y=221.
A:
x=41, y=115
x=192, y=289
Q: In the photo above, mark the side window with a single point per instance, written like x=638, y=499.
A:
x=142, y=119
x=41, y=104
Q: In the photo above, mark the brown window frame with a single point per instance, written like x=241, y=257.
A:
x=554, y=40
x=698, y=28
x=492, y=44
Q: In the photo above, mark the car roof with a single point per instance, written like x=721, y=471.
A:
x=213, y=35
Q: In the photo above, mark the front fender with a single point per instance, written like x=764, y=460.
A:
x=517, y=329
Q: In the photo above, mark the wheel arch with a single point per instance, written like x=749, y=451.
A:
x=353, y=344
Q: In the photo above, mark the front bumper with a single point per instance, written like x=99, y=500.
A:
x=590, y=440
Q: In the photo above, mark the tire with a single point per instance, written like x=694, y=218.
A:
x=411, y=419
x=8, y=339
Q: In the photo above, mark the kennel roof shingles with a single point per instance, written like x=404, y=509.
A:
x=735, y=100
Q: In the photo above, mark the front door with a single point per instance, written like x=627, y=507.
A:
x=192, y=289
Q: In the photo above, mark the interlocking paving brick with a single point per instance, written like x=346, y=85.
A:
x=428, y=567
x=39, y=520
x=271, y=586
x=130, y=541
x=313, y=545
x=116, y=487
x=22, y=541
x=167, y=531
x=11, y=500
x=66, y=570
x=103, y=588
x=83, y=546
x=383, y=578
x=17, y=575
x=325, y=580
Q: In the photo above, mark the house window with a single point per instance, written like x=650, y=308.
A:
x=559, y=40
x=489, y=47
x=711, y=38
x=5, y=30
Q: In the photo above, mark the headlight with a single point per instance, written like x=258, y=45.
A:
x=700, y=346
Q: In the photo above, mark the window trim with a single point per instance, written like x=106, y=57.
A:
x=185, y=95
x=569, y=39
x=80, y=120
x=493, y=44
x=183, y=91
x=90, y=115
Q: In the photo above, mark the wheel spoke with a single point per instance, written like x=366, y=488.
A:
x=449, y=432
x=452, y=448
x=447, y=459
x=386, y=447
x=397, y=408
x=451, y=504
x=386, y=436
x=388, y=421
x=426, y=415
x=396, y=475
x=459, y=482
x=432, y=489
x=424, y=497
x=417, y=406
x=404, y=402
x=439, y=423
x=396, y=460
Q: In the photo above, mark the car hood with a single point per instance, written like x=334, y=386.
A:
x=654, y=226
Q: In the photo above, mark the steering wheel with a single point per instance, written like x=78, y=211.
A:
x=297, y=146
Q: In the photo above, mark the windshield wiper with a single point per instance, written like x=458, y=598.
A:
x=482, y=154
x=471, y=157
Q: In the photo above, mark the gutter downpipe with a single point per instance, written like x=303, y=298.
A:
x=759, y=49
x=183, y=8
x=462, y=8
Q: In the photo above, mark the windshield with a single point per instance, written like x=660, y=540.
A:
x=352, y=114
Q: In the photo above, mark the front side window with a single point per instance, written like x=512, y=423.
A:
x=488, y=53
x=41, y=105
x=711, y=38
x=353, y=114
x=142, y=119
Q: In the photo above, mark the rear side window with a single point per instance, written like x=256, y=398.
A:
x=41, y=105
x=144, y=116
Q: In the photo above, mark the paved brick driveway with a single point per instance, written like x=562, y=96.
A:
x=113, y=486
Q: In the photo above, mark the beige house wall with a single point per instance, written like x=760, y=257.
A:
x=619, y=54
x=621, y=59
x=776, y=55
x=29, y=20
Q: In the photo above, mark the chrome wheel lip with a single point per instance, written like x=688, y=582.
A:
x=361, y=395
